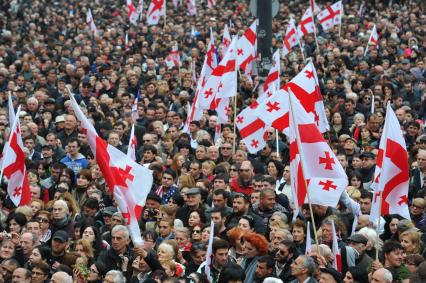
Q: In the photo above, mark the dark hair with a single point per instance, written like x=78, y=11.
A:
x=292, y=249
x=359, y=274
x=221, y=192
x=231, y=272
x=150, y=234
x=222, y=176
x=200, y=212
x=97, y=243
x=154, y=197
x=44, y=251
x=249, y=219
x=279, y=166
x=170, y=172
x=91, y=203
x=270, y=262
x=219, y=244
x=391, y=246
x=220, y=210
x=366, y=194
x=42, y=266
x=18, y=217
x=150, y=147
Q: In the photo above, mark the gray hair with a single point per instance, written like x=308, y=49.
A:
x=387, y=275
x=272, y=280
x=123, y=228
x=309, y=264
x=117, y=275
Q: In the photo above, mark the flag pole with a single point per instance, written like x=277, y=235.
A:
x=277, y=141
x=378, y=225
x=315, y=27
x=304, y=179
x=165, y=14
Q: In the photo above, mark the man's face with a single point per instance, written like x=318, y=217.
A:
x=18, y=276
x=194, y=170
x=70, y=122
x=164, y=228
x=221, y=257
x=368, y=162
x=326, y=278
x=365, y=204
x=73, y=148
x=59, y=211
x=35, y=191
x=217, y=219
x=193, y=200
x=238, y=205
x=226, y=149
x=27, y=243
x=282, y=255
x=114, y=139
x=119, y=241
x=59, y=247
x=219, y=184
x=33, y=227
x=349, y=107
x=152, y=204
x=267, y=202
x=326, y=233
x=167, y=180
x=297, y=267
x=219, y=200
x=246, y=170
x=377, y=277
x=421, y=160
x=262, y=270
x=148, y=156
x=29, y=143
x=395, y=258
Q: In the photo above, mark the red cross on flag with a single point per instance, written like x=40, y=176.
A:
x=373, y=40
x=129, y=181
x=133, y=143
x=246, y=49
x=132, y=13
x=392, y=171
x=272, y=81
x=325, y=177
x=173, y=59
x=332, y=16
x=191, y=7
x=252, y=129
x=222, y=108
x=156, y=10
x=91, y=23
x=13, y=165
x=291, y=38
x=306, y=25
x=226, y=40
x=223, y=80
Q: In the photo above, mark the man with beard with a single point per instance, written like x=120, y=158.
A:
x=268, y=205
x=264, y=268
x=243, y=184
x=240, y=207
x=284, y=257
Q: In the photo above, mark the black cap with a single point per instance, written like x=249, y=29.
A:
x=367, y=154
x=358, y=238
x=193, y=191
x=50, y=101
x=47, y=146
x=61, y=236
x=333, y=272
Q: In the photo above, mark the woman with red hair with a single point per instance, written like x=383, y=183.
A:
x=254, y=246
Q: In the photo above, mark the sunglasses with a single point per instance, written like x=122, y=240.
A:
x=196, y=231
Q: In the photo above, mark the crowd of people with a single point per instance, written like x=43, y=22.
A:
x=72, y=230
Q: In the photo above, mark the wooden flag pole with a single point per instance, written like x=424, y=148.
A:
x=304, y=179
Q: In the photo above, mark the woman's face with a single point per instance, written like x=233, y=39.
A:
x=32, y=178
x=80, y=250
x=41, y=171
x=136, y=263
x=249, y=250
x=244, y=224
x=7, y=250
x=205, y=235
x=163, y=254
x=181, y=239
x=206, y=169
x=14, y=226
x=82, y=181
x=194, y=219
x=348, y=278
x=35, y=257
x=93, y=273
x=365, y=133
x=393, y=225
x=298, y=234
x=38, y=276
x=233, y=172
x=337, y=119
x=91, y=190
x=35, y=207
x=272, y=169
x=196, y=233
x=408, y=245
x=89, y=234
x=355, y=182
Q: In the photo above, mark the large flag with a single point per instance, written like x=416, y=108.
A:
x=173, y=59
x=337, y=263
x=252, y=129
x=226, y=40
x=274, y=109
x=13, y=165
x=129, y=181
x=374, y=39
x=306, y=24
x=392, y=171
x=132, y=13
x=223, y=80
x=291, y=37
x=332, y=16
x=272, y=81
x=156, y=10
x=325, y=177
x=91, y=23
x=246, y=49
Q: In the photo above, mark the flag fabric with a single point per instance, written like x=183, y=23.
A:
x=217, y=132
x=129, y=181
x=13, y=164
x=223, y=80
x=272, y=81
x=337, y=262
x=139, y=9
x=209, y=255
x=133, y=144
x=156, y=9
x=392, y=171
x=308, y=248
x=252, y=129
x=273, y=110
x=221, y=105
x=132, y=13
x=306, y=24
x=91, y=23
x=191, y=7
x=332, y=16
x=291, y=38
x=211, y=4
x=126, y=42
x=226, y=40
x=173, y=59
x=325, y=177
x=246, y=50
x=298, y=183
x=175, y=3
x=373, y=40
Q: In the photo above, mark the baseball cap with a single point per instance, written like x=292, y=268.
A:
x=110, y=210
x=358, y=238
x=367, y=154
x=61, y=236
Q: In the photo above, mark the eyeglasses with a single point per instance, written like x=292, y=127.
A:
x=244, y=170
x=233, y=169
x=43, y=220
x=226, y=148
x=416, y=206
x=146, y=140
x=196, y=231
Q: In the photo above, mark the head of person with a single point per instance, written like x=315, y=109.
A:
x=114, y=276
x=220, y=249
x=60, y=242
x=246, y=223
x=286, y=251
x=60, y=210
x=265, y=266
x=166, y=251
x=381, y=275
x=355, y=274
x=232, y=273
x=120, y=238
x=393, y=254
x=40, y=272
x=254, y=245
x=410, y=241
x=303, y=267
x=240, y=204
x=21, y=275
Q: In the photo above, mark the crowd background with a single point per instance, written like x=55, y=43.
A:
x=72, y=230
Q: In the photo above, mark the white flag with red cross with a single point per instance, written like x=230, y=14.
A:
x=332, y=16
x=156, y=9
x=325, y=177
x=91, y=23
x=306, y=25
x=133, y=144
x=226, y=40
x=191, y=7
x=291, y=38
x=13, y=165
x=337, y=262
x=173, y=59
x=129, y=181
x=252, y=129
x=373, y=40
x=132, y=13
x=391, y=174
x=247, y=50
x=223, y=80
x=272, y=81
x=298, y=184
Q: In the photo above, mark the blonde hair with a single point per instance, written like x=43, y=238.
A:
x=414, y=237
x=354, y=193
x=25, y=210
x=87, y=247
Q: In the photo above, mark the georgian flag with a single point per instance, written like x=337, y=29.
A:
x=133, y=144
x=156, y=10
x=91, y=23
x=272, y=81
x=132, y=13
x=332, y=16
x=291, y=38
x=306, y=24
x=173, y=59
x=226, y=40
x=129, y=181
x=374, y=39
x=246, y=50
